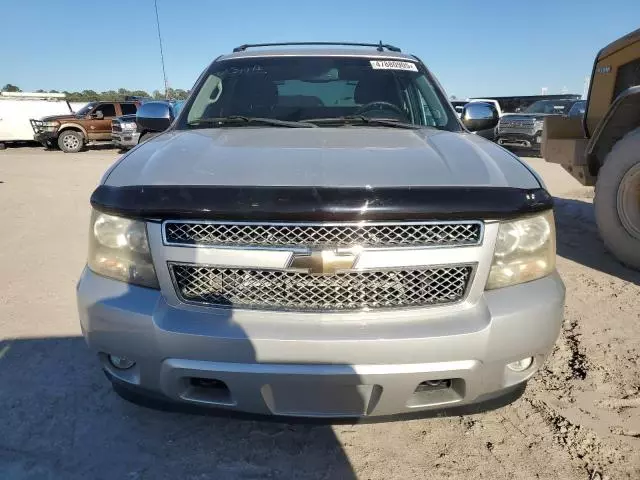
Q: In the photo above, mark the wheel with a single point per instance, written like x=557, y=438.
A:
x=147, y=136
x=617, y=200
x=3, y=146
x=70, y=141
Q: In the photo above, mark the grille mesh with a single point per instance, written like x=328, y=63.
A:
x=266, y=289
x=301, y=235
x=516, y=126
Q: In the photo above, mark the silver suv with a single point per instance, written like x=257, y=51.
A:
x=317, y=234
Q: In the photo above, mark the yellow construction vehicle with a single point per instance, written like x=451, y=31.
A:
x=603, y=147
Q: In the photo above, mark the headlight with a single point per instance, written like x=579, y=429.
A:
x=129, y=125
x=525, y=250
x=119, y=249
x=48, y=126
x=538, y=125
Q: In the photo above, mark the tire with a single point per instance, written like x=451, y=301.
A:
x=147, y=136
x=70, y=141
x=3, y=146
x=617, y=200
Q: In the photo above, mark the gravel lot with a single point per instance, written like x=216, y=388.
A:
x=579, y=418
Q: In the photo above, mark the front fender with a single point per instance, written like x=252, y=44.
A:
x=622, y=117
x=74, y=126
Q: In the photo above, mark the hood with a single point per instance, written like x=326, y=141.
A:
x=322, y=157
x=59, y=118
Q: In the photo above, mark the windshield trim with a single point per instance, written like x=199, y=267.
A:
x=363, y=121
x=242, y=121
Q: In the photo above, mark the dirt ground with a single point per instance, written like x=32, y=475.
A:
x=579, y=418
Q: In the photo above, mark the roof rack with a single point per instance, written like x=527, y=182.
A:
x=379, y=46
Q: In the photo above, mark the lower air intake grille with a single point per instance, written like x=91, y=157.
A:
x=286, y=290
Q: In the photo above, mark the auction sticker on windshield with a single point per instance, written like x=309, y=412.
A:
x=393, y=65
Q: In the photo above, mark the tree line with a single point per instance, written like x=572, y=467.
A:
x=109, y=95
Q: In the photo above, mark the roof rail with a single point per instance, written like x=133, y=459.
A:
x=379, y=46
x=32, y=95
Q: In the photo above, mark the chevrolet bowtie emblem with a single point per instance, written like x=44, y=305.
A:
x=324, y=262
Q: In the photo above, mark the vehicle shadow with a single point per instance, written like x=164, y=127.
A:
x=579, y=241
x=98, y=146
x=61, y=419
x=21, y=144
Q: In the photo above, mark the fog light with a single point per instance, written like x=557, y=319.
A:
x=521, y=365
x=121, y=363
x=430, y=385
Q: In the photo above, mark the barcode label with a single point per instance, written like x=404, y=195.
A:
x=393, y=65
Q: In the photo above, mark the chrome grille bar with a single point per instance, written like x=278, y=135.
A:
x=305, y=235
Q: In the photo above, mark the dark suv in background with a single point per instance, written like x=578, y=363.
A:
x=524, y=130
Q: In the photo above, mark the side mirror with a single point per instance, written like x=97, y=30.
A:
x=154, y=116
x=478, y=116
x=97, y=115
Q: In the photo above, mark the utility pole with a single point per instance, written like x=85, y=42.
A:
x=164, y=72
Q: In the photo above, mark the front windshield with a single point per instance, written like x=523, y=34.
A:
x=85, y=110
x=310, y=88
x=550, y=106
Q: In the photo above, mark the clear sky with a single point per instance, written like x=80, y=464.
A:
x=490, y=47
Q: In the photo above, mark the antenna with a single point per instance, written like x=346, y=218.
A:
x=164, y=72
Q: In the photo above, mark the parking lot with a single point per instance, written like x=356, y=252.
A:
x=579, y=418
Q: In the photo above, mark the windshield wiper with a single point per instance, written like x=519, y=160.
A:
x=355, y=119
x=242, y=120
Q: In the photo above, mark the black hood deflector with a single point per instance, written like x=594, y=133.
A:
x=318, y=204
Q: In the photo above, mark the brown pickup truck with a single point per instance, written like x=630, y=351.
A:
x=90, y=123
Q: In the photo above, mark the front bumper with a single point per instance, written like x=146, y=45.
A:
x=46, y=136
x=125, y=139
x=321, y=365
x=520, y=140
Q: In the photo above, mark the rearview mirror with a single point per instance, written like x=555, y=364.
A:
x=154, y=116
x=478, y=116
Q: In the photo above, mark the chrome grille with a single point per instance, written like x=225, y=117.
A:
x=351, y=290
x=516, y=123
x=323, y=235
x=516, y=126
